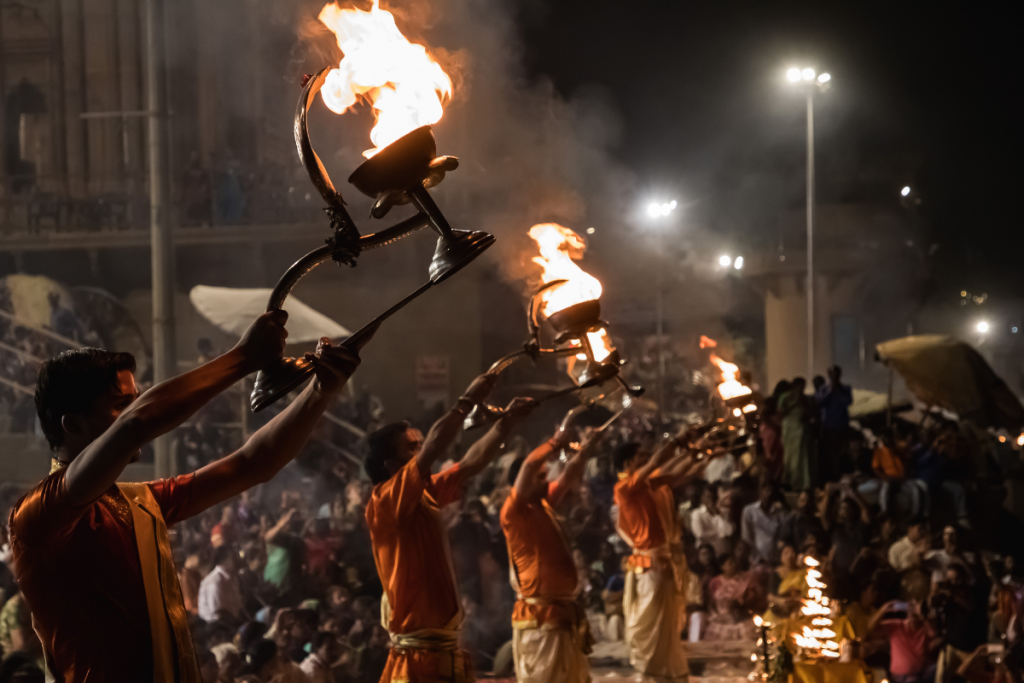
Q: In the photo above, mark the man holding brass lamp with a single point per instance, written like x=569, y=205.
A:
x=420, y=607
x=92, y=556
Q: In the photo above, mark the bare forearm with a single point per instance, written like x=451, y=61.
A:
x=265, y=453
x=439, y=439
x=656, y=461
x=481, y=453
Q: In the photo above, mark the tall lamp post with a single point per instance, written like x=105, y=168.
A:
x=811, y=82
x=657, y=211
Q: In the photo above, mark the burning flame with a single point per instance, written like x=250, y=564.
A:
x=401, y=81
x=559, y=247
x=816, y=639
x=730, y=386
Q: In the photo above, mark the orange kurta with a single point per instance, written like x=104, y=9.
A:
x=542, y=563
x=646, y=517
x=415, y=569
x=80, y=572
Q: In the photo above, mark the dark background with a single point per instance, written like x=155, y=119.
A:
x=926, y=95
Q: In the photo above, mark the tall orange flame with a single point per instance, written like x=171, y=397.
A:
x=401, y=81
x=559, y=248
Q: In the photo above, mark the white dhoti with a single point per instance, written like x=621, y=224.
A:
x=655, y=612
x=548, y=656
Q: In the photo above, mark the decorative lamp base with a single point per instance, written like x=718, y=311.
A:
x=277, y=380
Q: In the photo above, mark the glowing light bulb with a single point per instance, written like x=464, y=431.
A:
x=793, y=75
x=905, y=191
x=724, y=261
x=807, y=74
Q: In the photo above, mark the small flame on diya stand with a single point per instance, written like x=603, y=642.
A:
x=730, y=387
x=559, y=249
x=401, y=81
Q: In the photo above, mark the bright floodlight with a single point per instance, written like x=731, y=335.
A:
x=808, y=74
x=672, y=205
x=724, y=261
x=738, y=263
x=982, y=327
x=905, y=191
x=824, y=78
x=793, y=75
x=654, y=209
x=591, y=231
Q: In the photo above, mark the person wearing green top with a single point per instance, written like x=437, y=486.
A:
x=796, y=439
x=284, y=556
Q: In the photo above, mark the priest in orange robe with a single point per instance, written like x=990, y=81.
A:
x=550, y=636
x=654, y=599
x=92, y=556
x=421, y=607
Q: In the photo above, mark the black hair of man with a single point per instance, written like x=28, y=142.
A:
x=259, y=653
x=322, y=638
x=381, y=449
x=624, y=454
x=221, y=554
x=71, y=382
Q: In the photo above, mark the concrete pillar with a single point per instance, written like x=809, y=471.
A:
x=101, y=95
x=72, y=100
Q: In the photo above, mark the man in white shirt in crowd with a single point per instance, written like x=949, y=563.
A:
x=907, y=552
x=325, y=652
x=761, y=521
x=709, y=524
x=219, y=591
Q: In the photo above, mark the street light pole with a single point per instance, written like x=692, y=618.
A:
x=810, y=233
x=811, y=81
x=658, y=211
x=165, y=359
x=660, y=331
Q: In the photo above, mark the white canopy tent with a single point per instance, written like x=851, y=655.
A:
x=233, y=310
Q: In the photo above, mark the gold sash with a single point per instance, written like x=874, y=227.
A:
x=174, y=656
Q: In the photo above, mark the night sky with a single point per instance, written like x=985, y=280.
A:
x=924, y=94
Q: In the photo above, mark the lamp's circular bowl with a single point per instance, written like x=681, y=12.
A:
x=402, y=164
x=456, y=251
x=277, y=380
x=578, y=318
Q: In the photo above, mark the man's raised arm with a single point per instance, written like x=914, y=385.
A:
x=481, y=453
x=573, y=472
x=443, y=432
x=168, y=405
x=275, y=444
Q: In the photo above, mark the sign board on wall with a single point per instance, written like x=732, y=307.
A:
x=433, y=379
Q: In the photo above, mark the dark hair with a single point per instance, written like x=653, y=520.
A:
x=221, y=554
x=259, y=653
x=381, y=449
x=71, y=382
x=204, y=657
x=513, y=470
x=321, y=638
x=624, y=454
x=20, y=666
x=250, y=632
x=917, y=521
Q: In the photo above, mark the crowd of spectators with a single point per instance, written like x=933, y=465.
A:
x=281, y=583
